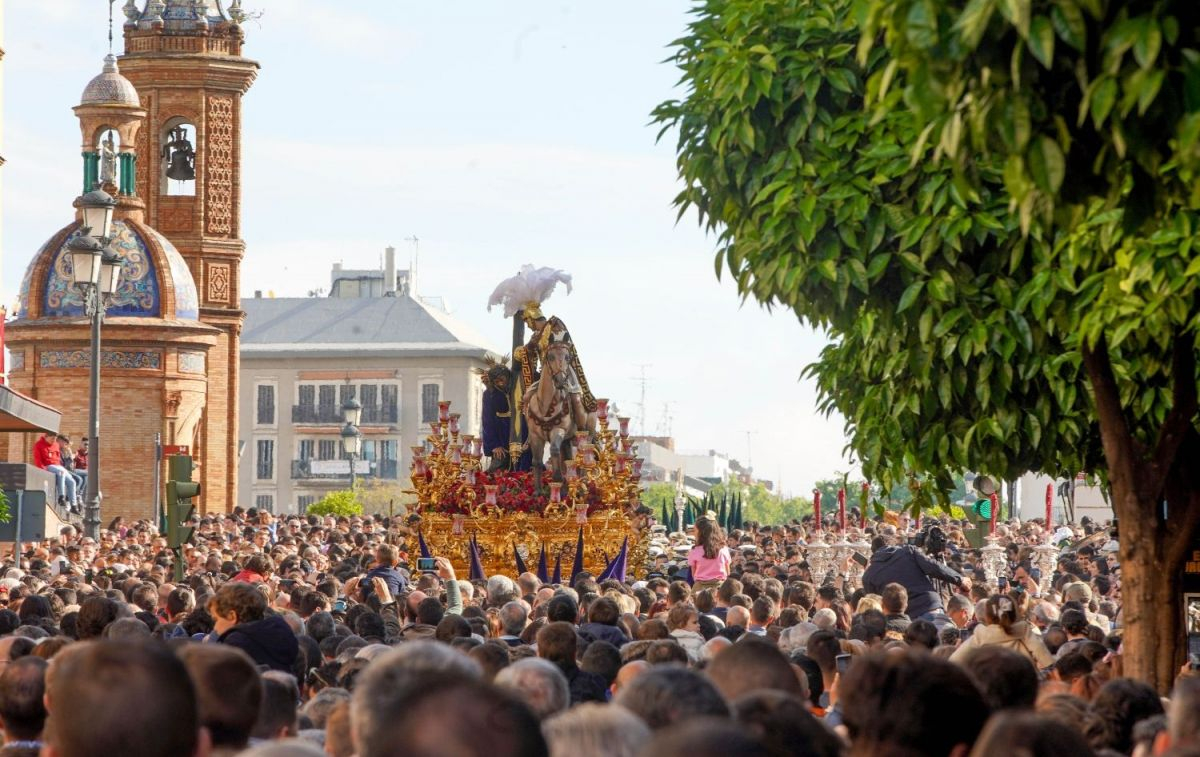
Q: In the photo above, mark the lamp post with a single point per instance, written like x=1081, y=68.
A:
x=95, y=271
x=351, y=438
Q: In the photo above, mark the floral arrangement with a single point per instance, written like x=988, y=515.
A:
x=515, y=493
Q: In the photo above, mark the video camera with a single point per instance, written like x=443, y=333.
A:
x=931, y=540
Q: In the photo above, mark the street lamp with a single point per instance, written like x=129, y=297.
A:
x=95, y=272
x=351, y=438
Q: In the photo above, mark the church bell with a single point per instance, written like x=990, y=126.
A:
x=180, y=156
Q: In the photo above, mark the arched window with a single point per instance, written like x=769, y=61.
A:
x=178, y=158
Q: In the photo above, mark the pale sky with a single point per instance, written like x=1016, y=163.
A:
x=498, y=134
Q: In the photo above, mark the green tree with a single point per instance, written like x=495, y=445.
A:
x=339, y=503
x=761, y=505
x=963, y=211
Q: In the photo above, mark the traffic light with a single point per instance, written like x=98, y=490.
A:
x=983, y=508
x=180, y=491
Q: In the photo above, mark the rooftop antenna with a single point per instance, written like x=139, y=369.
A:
x=665, y=426
x=412, y=265
x=642, y=404
x=749, y=456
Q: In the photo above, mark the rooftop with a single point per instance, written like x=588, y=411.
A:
x=398, y=326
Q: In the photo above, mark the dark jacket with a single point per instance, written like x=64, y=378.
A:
x=396, y=582
x=269, y=642
x=911, y=569
x=590, y=632
x=584, y=686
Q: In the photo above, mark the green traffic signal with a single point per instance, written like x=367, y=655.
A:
x=179, y=511
x=983, y=508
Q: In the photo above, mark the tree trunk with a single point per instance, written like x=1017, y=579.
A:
x=1154, y=539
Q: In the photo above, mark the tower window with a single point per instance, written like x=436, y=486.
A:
x=179, y=158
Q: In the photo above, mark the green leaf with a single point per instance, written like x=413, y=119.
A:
x=1104, y=96
x=1046, y=164
x=1151, y=84
x=974, y=20
x=921, y=28
x=1069, y=23
x=1017, y=12
x=1148, y=42
x=910, y=296
x=1041, y=40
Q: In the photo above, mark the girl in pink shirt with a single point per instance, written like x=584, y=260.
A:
x=709, y=559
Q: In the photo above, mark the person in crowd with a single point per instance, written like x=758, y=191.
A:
x=22, y=709
x=539, y=683
x=595, y=730
x=47, y=456
x=915, y=571
x=240, y=619
x=229, y=692
x=1003, y=627
x=558, y=643
x=111, y=697
x=709, y=560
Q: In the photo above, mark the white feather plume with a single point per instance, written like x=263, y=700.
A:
x=530, y=285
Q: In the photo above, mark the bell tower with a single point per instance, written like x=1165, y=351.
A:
x=185, y=59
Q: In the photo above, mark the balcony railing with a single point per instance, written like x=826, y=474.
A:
x=326, y=414
x=340, y=469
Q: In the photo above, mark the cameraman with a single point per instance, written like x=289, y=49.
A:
x=912, y=569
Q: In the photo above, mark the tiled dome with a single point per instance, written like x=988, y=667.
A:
x=152, y=267
x=110, y=88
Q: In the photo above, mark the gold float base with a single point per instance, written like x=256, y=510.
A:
x=499, y=533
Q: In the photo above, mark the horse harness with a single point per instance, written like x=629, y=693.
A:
x=556, y=412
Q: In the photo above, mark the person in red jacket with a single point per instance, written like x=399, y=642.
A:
x=46, y=456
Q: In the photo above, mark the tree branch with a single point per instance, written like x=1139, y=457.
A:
x=1179, y=418
x=1115, y=435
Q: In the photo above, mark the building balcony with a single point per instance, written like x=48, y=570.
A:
x=334, y=470
x=327, y=414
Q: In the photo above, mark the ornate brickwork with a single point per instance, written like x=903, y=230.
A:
x=141, y=167
x=191, y=362
x=175, y=214
x=16, y=360
x=171, y=404
x=219, y=162
x=217, y=275
x=144, y=360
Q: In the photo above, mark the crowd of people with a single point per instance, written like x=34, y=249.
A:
x=306, y=635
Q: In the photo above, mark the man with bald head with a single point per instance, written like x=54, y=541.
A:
x=627, y=673
x=737, y=616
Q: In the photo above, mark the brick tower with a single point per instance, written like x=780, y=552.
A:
x=184, y=57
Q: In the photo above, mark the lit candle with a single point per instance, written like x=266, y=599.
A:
x=866, y=496
x=1049, y=506
x=469, y=476
x=842, y=510
x=454, y=417
x=602, y=409
x=456, y=453
x=555, y=492
x=623, y=424
x=489, y=494
x=444, y=411
x=569, y=469
x=816, y=510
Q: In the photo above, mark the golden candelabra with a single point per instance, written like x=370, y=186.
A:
x=599, y=493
